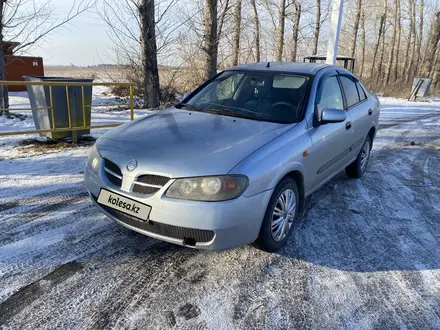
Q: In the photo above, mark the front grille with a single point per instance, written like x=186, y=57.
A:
x=113, y=172
x=153, y=179
x=149, y=184
x=182, y=233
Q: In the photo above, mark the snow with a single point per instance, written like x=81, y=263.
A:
x=100, y=116
x=365, y=255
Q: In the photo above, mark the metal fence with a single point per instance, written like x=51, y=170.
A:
x=52, y=110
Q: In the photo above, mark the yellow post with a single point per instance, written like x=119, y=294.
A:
x=131, y=103
x=52, y=111
x=83, y=106
x=68, y=106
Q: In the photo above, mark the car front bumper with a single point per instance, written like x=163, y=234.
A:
x=204, y=225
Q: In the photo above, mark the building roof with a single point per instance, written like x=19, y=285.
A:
x=293, y=67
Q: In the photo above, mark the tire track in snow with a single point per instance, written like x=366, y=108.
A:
x=160, y=268
x=52, y=203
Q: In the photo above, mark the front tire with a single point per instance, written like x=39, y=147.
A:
x=280, y=216
x=359, y=166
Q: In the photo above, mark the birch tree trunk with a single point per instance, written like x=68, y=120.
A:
x=280, y=30
x=362, y=44
x=296, y=21
x=393, y=43
x=317, y=27
x=256, y=31
x=210, y=46
x=237, y=31
x=149, y=54
x=356, y=28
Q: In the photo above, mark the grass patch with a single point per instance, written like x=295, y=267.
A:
x=12, y=115
x=39, y=147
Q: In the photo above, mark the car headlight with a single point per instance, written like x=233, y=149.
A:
x=211, y=188
x=94, y=159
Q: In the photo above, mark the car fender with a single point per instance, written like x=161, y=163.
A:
x=284, y=171
x=266, y=167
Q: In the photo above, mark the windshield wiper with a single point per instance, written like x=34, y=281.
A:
x=188, y=106
x=228, y=112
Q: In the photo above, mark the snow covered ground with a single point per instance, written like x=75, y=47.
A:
x=365, y=255
x=100, y=116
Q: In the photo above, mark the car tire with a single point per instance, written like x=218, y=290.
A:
x=359, y=166
x=269, y=238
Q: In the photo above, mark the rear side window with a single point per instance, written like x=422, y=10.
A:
x=329, y=95
x=361, y=91
x=350, y=89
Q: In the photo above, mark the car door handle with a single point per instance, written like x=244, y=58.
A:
x=348, y=125
x=370, y=112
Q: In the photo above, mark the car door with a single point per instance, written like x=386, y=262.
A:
x=331, y=142
x=360, y=109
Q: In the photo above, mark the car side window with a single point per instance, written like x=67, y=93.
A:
x=329, y=95
x=361, y=91
x=350, y=89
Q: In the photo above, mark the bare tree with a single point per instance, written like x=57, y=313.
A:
x=31, y=23
x=280, y=30
x=432, y=45
x=393, y=43
x=256, y=31
x=4, y=100
x=420, y=37
x=397, y=49
x=149, y=54
x=356, y=27
x=317, y=27
x=379, y=36
x=408, y=44
x=237, y=31
x=222, y=19
x=210, y=46
x=296, y=22
x=410, y=69
x=362, y=44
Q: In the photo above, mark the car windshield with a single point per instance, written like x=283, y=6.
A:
x=265, y=96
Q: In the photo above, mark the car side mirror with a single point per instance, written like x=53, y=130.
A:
x=330, y=115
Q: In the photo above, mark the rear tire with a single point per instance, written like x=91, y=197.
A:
x=280, y=217
x=359, y=166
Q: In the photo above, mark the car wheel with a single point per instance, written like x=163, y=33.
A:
x=359, y=166
x=280, y=217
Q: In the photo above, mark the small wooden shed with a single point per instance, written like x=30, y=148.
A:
x=19, y=66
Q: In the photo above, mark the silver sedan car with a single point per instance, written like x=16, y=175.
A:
x=233, y=162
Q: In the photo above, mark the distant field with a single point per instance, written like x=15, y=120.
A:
x=180, y=79
x=98, y=73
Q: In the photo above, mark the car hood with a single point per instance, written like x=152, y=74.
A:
x=180, y=143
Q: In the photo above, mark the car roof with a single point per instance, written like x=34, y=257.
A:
x=291, y=67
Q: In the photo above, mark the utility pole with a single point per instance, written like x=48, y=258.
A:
x=335, y=27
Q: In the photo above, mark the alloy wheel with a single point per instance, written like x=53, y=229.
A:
x=283, y=215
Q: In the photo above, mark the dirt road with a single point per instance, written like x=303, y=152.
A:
x=365, y=255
